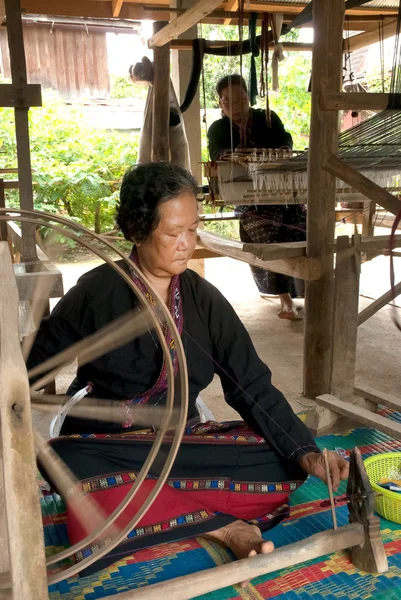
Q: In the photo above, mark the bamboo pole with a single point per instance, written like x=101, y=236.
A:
x=327, y=70
x=161, y=100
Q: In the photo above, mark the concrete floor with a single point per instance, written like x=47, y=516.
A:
x=280, y=343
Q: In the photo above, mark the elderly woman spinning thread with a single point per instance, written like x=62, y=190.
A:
x=230, y=480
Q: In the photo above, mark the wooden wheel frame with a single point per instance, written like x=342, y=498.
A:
x=118, y=333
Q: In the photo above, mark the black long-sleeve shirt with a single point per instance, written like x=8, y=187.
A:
x=224, y=136
x=214, y=339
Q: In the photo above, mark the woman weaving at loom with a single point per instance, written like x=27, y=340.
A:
x=230, y=480
x=244, y=126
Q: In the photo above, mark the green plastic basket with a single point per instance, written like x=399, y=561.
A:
x=388, y=504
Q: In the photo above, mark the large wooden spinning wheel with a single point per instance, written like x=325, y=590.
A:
x=20, y=444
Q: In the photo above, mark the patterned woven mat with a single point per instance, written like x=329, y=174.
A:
x=331, y=577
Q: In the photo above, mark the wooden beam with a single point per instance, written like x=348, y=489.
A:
x=345, y=313
x=300, y=267
x=288, y=46
x=19, y=78
x=116, y=7
x=21, y=96
x=182, y=23
x=201, y=253
x=362, y=184
x=378, y=397
x=354, y=101
x=378, y=242
x=25, y=535
x=230, y=5
x=375, y=306
x=276, y=251
x=362, y=40
x=134, y=11
x=189, y=586
x=161, y=99
x=327, y=60
x=362, y=415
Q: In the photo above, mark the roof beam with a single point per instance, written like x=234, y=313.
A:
x=230, y=5
x=160, y=10
x=370, y=37
x=288, y=46
x=190, y=17
x=116, y=7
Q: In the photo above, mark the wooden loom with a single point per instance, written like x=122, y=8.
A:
x=332, y=293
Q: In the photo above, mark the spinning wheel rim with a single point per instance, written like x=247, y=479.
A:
x=34, y=217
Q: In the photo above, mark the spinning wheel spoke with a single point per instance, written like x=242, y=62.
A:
x=89, y=513
x=111, y=411
x=110, y=337
x=39, y=304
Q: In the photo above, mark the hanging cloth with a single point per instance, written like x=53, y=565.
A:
x=179, y=148
x=278, y=55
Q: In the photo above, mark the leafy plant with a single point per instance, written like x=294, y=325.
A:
x=76, y=169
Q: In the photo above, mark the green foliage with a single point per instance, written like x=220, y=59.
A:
x=376, y=83
x=75, y=167
x=228, y=229
x=121, y=87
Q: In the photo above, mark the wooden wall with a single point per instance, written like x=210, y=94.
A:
x=72, y=61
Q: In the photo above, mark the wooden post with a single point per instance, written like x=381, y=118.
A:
x=161, y=99
x=19, y=77
x=368, y=229
x=327, y=70
x=345, y=316
x=3, y=224
x=24, y=523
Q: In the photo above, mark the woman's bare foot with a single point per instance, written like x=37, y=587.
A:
x=295, y=314
x=243, y=539
x=289, y=310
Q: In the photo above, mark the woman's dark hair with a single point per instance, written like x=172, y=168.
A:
x=143, y=190
x=228, y=81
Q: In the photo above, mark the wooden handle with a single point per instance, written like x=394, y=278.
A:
x=249, y=568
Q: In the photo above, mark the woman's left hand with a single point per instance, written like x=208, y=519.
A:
x=314, y=464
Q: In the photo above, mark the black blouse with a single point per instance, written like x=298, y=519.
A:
x=214, y=339
x=223, y=136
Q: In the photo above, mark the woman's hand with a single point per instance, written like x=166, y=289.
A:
x=314, y=464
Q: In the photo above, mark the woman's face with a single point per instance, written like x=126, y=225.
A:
x=171, y=244
x=234, y=101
